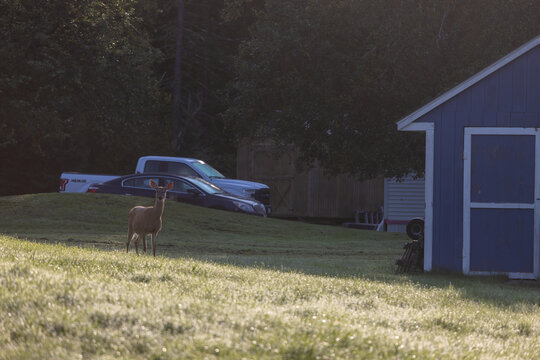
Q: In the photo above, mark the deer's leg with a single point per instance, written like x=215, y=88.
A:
x=129, y=237
x=154, y=238
x=137, y=239
x=144, y=243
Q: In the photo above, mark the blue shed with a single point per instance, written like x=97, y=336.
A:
x=483, y=170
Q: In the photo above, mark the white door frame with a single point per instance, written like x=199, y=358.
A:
x=467, y=204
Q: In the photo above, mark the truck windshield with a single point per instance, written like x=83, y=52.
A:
x=207, y=170
x=206, y=186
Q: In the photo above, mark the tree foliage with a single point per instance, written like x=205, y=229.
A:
x=333, y=76
x=87, y=85
x=77, y=91
x=209, y=44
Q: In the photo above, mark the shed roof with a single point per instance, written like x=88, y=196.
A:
x=403, y=123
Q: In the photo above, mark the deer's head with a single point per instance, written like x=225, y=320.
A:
x=161, y=191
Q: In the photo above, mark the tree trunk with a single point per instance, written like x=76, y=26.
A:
x=177, y=101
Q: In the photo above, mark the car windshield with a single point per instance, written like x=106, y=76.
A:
x=207, y=170
x=206, y=186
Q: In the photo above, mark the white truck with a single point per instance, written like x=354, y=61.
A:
x=77, y=182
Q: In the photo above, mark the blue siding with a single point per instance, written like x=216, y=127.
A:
x=503, y=240
x=533, y=81
x=491, y=86
x=505, y=93
x=518, y=85
x=496, y=176
x=510, y=97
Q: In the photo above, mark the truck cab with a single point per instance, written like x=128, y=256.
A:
x=198, y=168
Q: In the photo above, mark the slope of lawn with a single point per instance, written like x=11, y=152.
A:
x=235, y=286
x=100, y=220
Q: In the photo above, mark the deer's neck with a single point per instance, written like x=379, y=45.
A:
x=159, y=206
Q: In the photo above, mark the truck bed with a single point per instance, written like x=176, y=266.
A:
x=78, y=182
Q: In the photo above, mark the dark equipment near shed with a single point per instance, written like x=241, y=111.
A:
x=413, y=258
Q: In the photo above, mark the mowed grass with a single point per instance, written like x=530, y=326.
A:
x=235, y=286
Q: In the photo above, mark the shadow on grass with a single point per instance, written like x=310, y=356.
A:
x=339, y=261
x=221, y=237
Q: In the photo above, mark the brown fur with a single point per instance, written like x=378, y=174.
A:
x=143, y=220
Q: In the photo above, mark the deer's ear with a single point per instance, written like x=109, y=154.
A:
x=170, y=185
x=153, y=184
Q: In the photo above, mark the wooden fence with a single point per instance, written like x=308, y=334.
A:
x=311, y=193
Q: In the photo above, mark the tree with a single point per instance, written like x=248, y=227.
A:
x=208, y=45
x=77, y=91
x=332, y=77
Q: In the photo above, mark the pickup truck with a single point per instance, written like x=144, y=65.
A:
x=77, y=182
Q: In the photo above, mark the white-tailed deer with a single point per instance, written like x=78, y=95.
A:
x=143, y=220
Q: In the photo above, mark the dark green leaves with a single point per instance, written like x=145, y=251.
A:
x=333, y=77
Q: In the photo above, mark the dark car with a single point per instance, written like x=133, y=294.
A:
x=191, y=190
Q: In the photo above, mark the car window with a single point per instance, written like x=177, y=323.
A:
x=181, y=169
x=181, y=186
x=170, y=167
x=207, y=170
x=206, y=186
x=141, y=182
x=155, y=166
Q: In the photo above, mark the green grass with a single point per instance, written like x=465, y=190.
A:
x=235, y=286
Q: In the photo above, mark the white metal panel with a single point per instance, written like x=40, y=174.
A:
x=405, y=199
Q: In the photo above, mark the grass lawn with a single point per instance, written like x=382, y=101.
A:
x=235, y=286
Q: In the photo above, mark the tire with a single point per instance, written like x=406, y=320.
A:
x=415, y=229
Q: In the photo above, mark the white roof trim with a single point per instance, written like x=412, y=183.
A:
x=468, y=83
x=419, y=126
